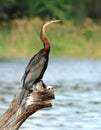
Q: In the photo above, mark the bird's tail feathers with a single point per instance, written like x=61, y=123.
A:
x=22, y=94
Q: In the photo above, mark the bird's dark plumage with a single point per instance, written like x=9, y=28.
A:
x=37, y=65
x=35, y=69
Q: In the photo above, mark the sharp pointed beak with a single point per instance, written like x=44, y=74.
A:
x=54, y=21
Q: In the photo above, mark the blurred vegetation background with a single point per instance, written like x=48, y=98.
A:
x=78, y=36
x=60, y=9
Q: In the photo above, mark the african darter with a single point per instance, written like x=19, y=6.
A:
x=37, y=65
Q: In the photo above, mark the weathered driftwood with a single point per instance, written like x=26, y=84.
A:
x=40, y=97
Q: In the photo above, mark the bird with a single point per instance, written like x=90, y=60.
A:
x=37, y=65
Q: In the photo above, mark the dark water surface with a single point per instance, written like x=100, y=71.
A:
x=78, y=93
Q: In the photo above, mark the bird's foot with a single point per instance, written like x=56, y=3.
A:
x=39, y=94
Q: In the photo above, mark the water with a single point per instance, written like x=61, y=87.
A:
x=78, y=93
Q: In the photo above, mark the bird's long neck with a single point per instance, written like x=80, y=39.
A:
x=44, y=39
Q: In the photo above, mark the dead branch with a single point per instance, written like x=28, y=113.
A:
x=39, y=97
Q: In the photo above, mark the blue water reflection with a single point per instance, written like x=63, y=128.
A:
x=78, y=93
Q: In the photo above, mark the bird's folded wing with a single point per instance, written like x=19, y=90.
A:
x=36, y=64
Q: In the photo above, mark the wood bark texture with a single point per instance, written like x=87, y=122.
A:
x=39, y=97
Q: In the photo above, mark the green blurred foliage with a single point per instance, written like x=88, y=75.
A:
x=61, y=9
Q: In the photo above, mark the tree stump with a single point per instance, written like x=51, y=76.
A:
x=40, y=97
